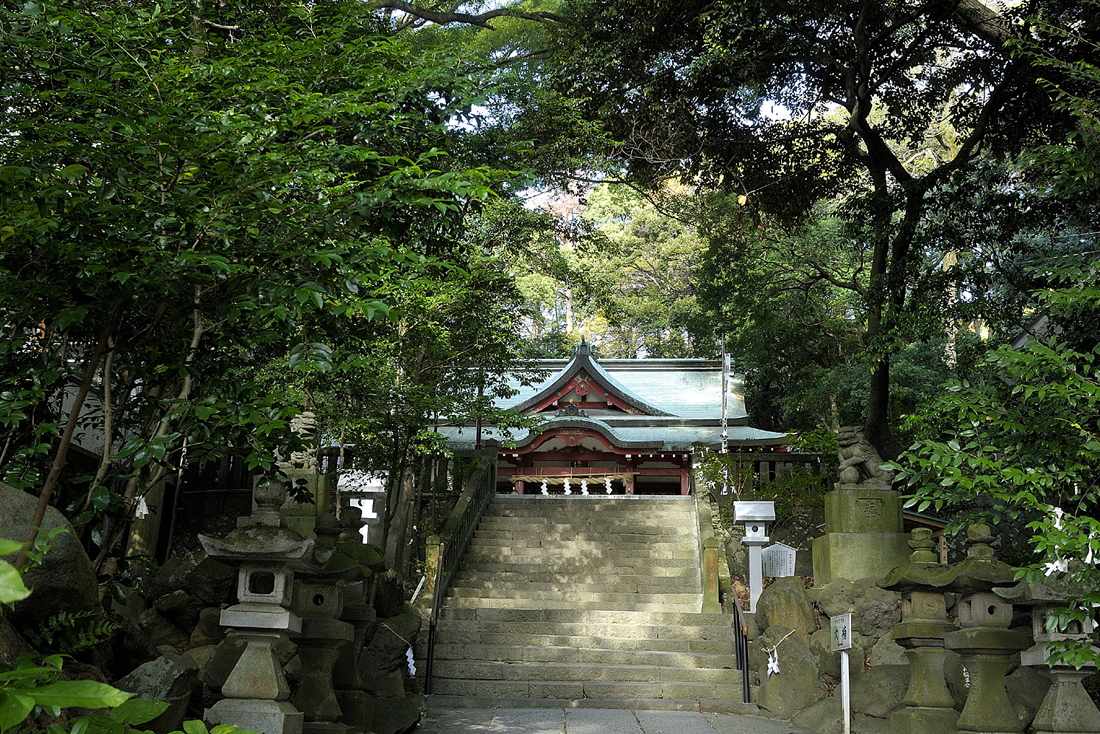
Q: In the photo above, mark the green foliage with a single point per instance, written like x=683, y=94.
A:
x=27, y=685
x=794, y=496
x=68, y=633
x=190, y=205
x=1023, y=441
x=12, y=588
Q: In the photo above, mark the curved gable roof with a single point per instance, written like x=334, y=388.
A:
x=583, y=360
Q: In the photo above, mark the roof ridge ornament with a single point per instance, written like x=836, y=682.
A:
x=571, y=409
x=584, y=349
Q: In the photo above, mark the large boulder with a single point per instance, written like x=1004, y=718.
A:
x=169, y=678
x=798, y=684
x=888, y=652
x=209, y=581
x=828, y=660
x=179, y=608
x=874, y=610
x=1026, y=690
x=826, y=717
x=880, y=691
x=785, y=604
x=65, y=582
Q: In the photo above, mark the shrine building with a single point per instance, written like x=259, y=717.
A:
x=618, y=426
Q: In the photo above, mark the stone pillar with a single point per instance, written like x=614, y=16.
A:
x=267, y=553
x=863, y=521
x=929, y=706
x=357, y=706
x=319, y=602
x=984, y=641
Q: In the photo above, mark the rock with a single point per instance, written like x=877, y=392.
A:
x=1026, y=689
x=823, y=717
x=888, y=652
x=179, y=608
x=385, y=654
x=162, y=632
x=798, y=684
x=210, y=581
x=170, y=679
x=956, y=677
x=397, y=715
x=130, y=646
x=828, y=661
x=200, y=656
x=785, y=604
x=389, y=596
x=879, y=691
x=12, y=644
x=874, y=611
x=65, y=582
x=221, y=663
x=826, y=717
x=752, y=629
x=208, y=631
x=869, y=725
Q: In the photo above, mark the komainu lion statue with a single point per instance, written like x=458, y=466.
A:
x=859, y=462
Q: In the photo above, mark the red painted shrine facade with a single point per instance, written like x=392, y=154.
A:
x=621, y=426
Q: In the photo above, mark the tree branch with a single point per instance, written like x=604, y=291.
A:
x=482, y=19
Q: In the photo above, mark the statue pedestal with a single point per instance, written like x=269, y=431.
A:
x=864, y=537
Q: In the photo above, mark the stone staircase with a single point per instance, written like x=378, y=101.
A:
x=584, y=598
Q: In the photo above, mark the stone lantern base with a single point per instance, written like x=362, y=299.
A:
x=259, y=715
x=923, y=720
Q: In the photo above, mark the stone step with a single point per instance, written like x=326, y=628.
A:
x=629, y=604
x=474, y=636
x=583, y=672
x=580, y=616
x=537, y=575
x=580, y=689
x=616, y=585
x=586, y=655
x=517, y=544
x=572, y=567
x=574, y=634
x=601, y=553
x=521, y=531
x=553, y=561
x=611, y=597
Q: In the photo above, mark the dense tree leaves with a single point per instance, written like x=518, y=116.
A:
x=185, y=189
x=1022, y=439
x=782, y=105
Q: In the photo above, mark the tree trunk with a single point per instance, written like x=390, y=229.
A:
x=67, y=436
x=401, y=522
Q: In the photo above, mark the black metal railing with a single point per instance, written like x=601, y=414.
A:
x=741, y=641
x=454, y=539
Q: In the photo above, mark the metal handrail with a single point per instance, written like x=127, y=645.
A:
x=741, y=640
x=454, y=539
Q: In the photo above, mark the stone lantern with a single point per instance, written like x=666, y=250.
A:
x=756, y=516
x=1067, y=707
x=984, y=641
x=267, y=553
x=319, y=601
x=929, y=706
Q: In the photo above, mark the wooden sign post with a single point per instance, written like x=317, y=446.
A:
x=841, y=629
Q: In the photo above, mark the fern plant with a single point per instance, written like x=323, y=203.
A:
x=71, y=632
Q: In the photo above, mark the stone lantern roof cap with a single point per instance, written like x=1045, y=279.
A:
x=1041, y=592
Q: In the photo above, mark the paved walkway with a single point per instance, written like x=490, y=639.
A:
x=443, y=720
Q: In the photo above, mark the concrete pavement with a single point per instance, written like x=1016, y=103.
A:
x=446, y=720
